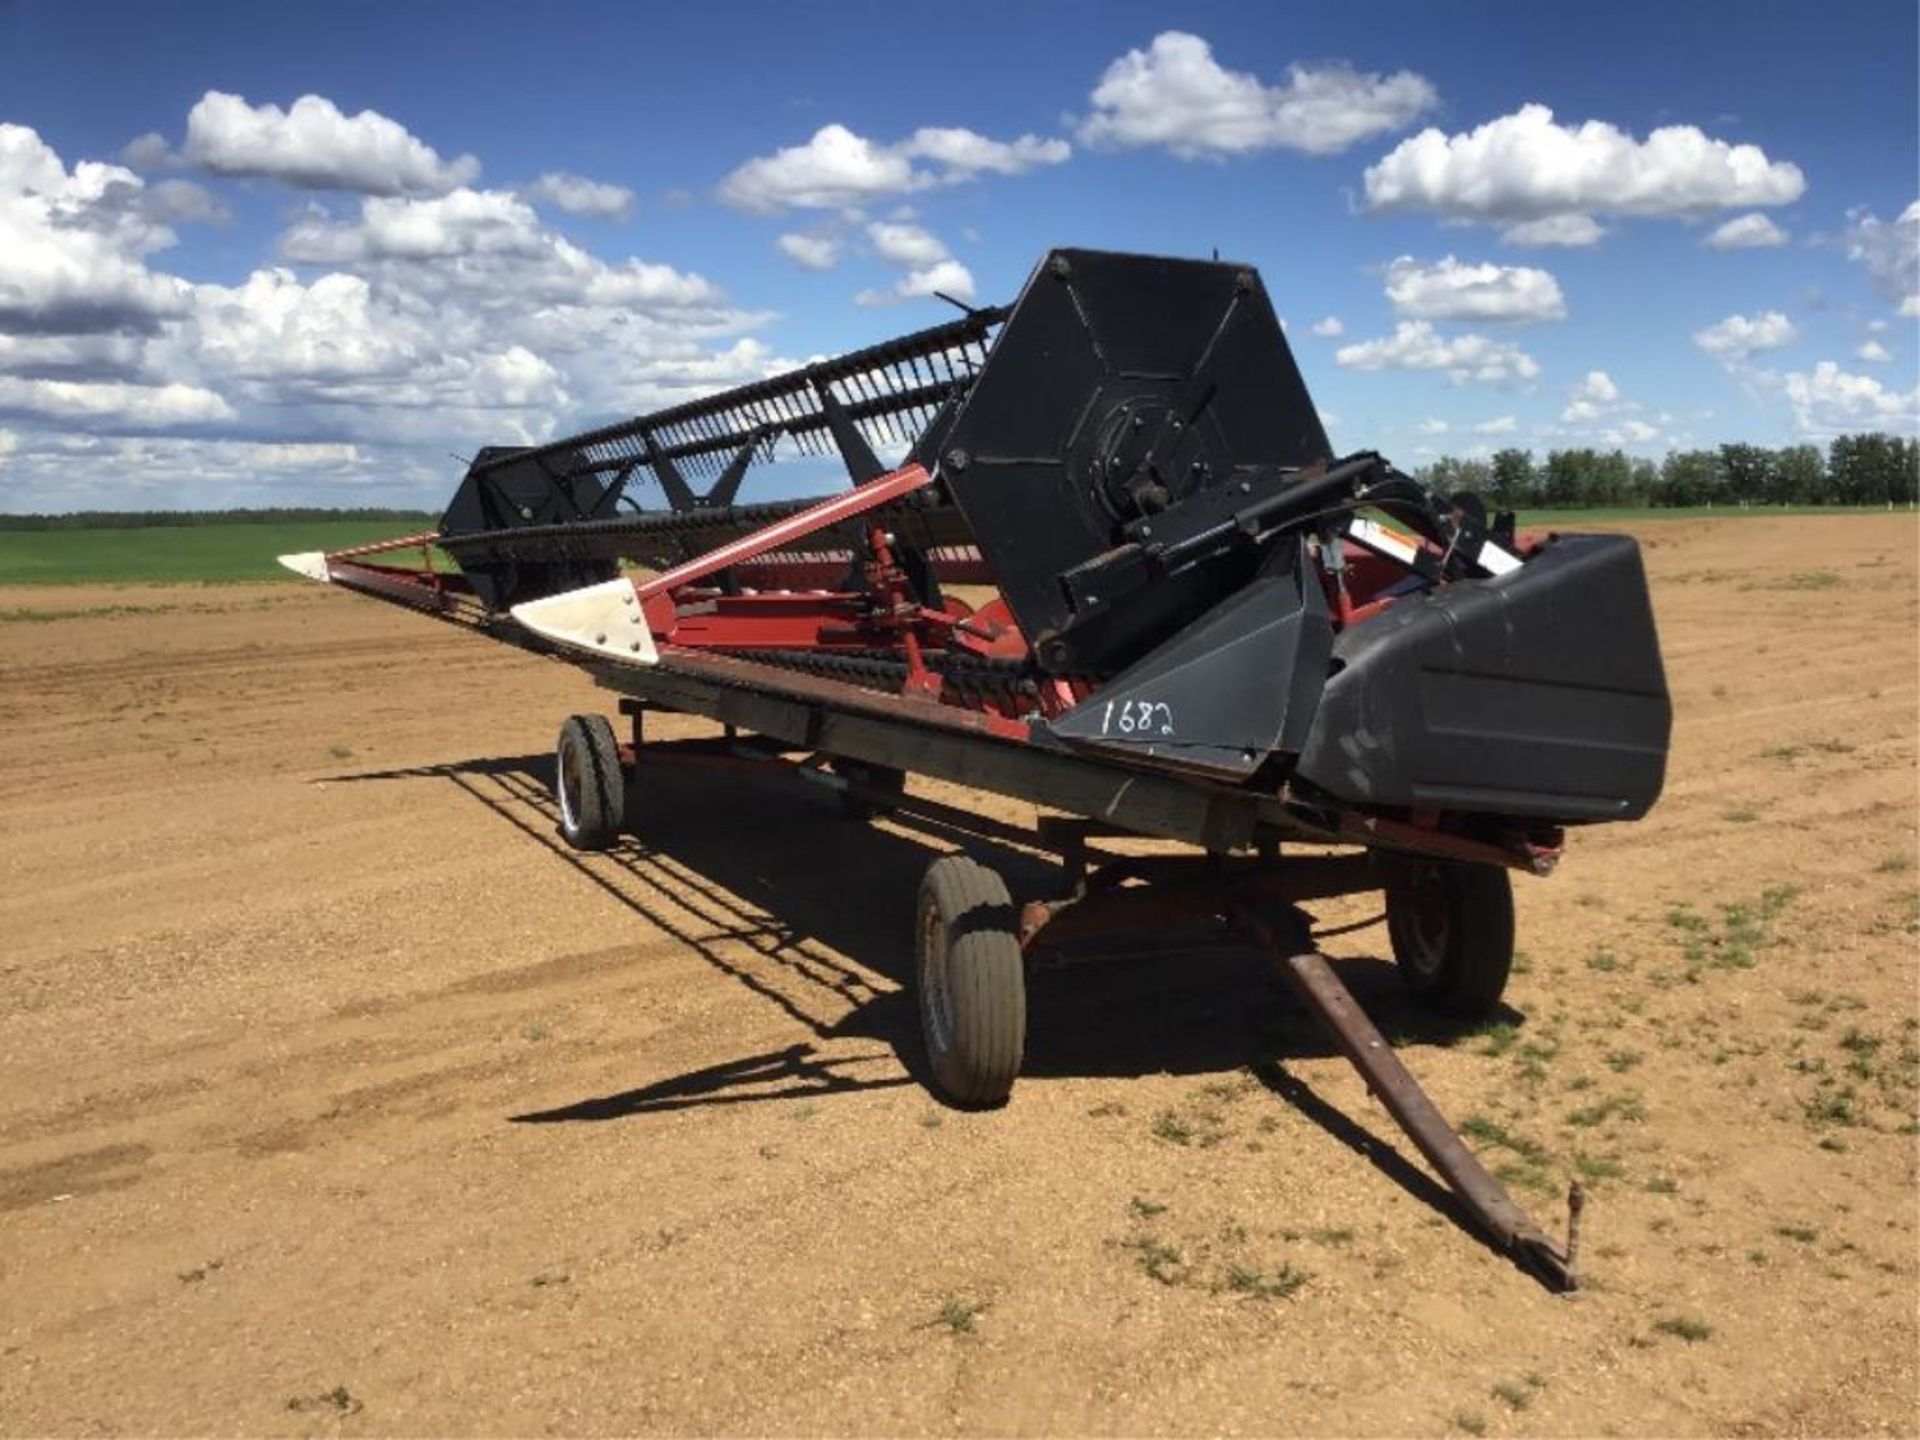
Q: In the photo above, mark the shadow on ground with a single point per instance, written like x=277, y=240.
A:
x=745, y=866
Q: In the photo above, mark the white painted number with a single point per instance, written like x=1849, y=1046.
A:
x=1138, y=717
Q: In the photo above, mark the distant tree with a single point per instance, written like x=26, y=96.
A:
x=1451, y=474
x=1644, y=481
x=1799, y=477
x=1570, y=479
x=1515, y=482
x=1745, y=471
x=1688, y=477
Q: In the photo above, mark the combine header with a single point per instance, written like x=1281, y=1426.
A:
x=1097, y=554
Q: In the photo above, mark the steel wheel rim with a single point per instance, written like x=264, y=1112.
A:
x=936, y=1003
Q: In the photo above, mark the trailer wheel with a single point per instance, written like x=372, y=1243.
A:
x=883, y=786
x=1452, y=932
x=589, y=785
x=972, y=982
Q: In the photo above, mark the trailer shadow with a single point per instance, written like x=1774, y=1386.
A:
x=813, y=913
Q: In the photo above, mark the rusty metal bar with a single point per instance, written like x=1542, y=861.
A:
x=1509, y=1227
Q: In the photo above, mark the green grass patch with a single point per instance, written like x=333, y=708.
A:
x=185, y=554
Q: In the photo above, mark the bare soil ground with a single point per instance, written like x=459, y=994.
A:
x=337, y=1097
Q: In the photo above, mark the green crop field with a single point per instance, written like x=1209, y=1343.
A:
x=224, y=553
x=172, y=554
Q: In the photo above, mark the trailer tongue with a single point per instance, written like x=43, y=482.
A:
x=1198, y=624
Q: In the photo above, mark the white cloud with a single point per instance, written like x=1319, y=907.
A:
x=1499, y=425
x=1432, y=426
x=1752, y=231
x=811, y=252
x=82, y=401
x=1565, y=231
x=1738, y=336
x=965, y=154
x=1596, y=386
x=1525, y=166
x=1890, y=251
x=147, y=152
x=1329, y=327
x=1873, y=351
x=1830, y=401
x=839, y=170
x=947, y=276
x=577, y=195
x=1175, y=95
x=1592, y=397
x=314, y=146
x=1416, y=345
x=900, y=244
x=73, y=245
x=1451, y=290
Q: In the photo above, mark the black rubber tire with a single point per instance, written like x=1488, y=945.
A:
x=589, y=786
x=875, y=781
x=1452, y=931
x=971, y=982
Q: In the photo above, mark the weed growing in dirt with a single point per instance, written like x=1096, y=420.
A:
x=1896, y=863
x=340, y=752
x=1744, y=929
x=1605, y=961
x=1684, y=1327
x=1804, y=1234
x=957, y=1314
x=1518, y=1394
x=534, y=1030
x=339, y=1401
x=1161, y=1261
x=1470, y=1423
x=200, y=1272
x=1740, y=814
x=1624, y=1107
x=1621, y=1061
x=1144, y=1208
x=1789, y=753
x=1254, y=1284
x=1528, y=1166
x=547, y=1279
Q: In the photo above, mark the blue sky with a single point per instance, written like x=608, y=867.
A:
x=216, y=291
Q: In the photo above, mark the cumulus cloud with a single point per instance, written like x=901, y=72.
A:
x=1752, y=231
x=1449, y=289
x=1499, y=425
x=840, y=170
x=1890, y=252
x=1176, y=96
x=810, y=252
x=313, y=145
x=1569, y=232
x=1329, y=327
x=1527, y=167
x=577, y=195
x=1416, y=345
x=73, y=245
x=416, y=325
x=903, y=244
x=1738, y=336
x=1592, y=397
x=1432, y=426
x=1874, y=352
x=948, y=277
x=1831, y=401
x=82, y=401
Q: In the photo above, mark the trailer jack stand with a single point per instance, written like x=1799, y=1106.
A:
x=1510, y=1229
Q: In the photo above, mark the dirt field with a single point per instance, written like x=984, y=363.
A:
x=336, y=1096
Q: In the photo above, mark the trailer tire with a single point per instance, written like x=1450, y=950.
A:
x=589, y=785
x=971, y=982
x=1452, y=931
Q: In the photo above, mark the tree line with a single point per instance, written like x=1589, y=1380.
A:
x=1854, y=470
x=150, y=519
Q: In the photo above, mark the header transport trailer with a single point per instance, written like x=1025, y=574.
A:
x=1189, y=620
